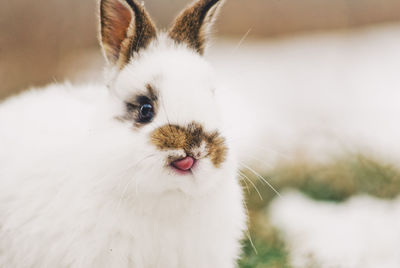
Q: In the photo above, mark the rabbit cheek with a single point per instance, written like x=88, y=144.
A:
x=217, y=149
x=192, y=140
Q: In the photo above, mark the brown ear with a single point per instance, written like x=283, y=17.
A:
x=192, y=26
x=125, y=29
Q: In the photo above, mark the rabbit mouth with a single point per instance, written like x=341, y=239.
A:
x=194, y=141
x=184, y=166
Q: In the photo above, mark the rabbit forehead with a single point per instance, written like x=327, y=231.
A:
x=183, y=80
x=169, y=62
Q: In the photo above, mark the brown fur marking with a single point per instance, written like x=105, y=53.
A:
x=145, y=29
x=133, y=105
x=189, y=26
x=125, y=29
x=189, y=138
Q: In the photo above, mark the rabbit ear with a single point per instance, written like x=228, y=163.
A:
x=193, y=25
x=125, y=29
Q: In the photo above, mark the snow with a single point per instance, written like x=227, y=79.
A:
x=315, y=95
x=362, y=232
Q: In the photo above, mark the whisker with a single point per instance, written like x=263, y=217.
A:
x=262, y=178
x=247, y=186
x=123, y=193
x=251, y=242
x=242, y=40
x=248, y=234
x=252, y=183
x=131, y=180
x=173, y=131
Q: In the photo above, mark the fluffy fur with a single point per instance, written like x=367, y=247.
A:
x=81, y=188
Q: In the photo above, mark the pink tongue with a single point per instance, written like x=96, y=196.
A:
x=184, y=164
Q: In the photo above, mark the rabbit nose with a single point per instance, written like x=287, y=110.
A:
x=184, y=164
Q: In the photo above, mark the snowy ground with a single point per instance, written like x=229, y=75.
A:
x=316, y=95
x=360, y=233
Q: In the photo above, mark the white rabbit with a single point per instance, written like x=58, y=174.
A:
x=136, y=173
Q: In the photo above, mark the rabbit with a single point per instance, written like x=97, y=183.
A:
x=134, y=172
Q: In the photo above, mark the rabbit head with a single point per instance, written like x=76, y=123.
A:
x=165, y=92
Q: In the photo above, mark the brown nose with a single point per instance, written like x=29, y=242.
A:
x=184, y=164
x=187, y=138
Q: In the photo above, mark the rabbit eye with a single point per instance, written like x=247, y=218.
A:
x=146, y=113
x=142, y=109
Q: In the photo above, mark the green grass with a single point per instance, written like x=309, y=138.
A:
x=334, y=182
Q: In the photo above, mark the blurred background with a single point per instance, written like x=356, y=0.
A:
x=45, y=40
x=319, y=86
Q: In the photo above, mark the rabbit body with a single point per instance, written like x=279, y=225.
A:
x=137, y=172
x=67, y=198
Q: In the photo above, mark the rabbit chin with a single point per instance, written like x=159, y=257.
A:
x=202, y=180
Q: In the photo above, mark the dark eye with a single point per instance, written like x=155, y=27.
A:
x=146, y=113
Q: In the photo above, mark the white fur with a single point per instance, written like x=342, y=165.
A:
x=362, y=232
x=79, y=188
